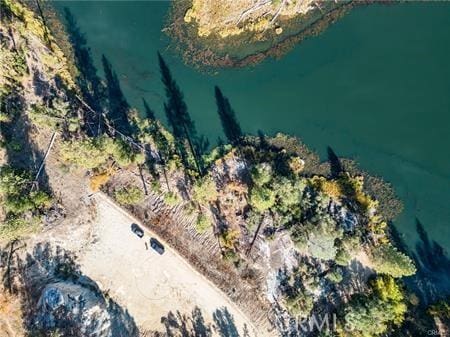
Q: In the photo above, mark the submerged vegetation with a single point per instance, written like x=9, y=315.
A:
x=310, y=236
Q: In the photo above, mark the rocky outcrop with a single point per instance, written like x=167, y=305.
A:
x=71, y=306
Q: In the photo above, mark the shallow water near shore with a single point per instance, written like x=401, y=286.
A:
x=375, y=87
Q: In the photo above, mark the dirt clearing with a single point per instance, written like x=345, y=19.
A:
x=154, y=288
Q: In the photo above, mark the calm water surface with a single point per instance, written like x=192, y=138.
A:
x=375, y=87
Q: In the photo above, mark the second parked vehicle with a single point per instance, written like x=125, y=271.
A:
x=157, y=246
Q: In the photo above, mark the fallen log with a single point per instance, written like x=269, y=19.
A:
x=52, y=141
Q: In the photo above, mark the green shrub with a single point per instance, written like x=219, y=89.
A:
x=17, y=204
x=171, y=198
x=202, y=223
x=262, y=198
x=40, y=199
x=16, y=227
x=347, y=247
x=88, y=153
x=343, y=257
x=299, y=304
x=122, y=152
x=13, y=67
x=23, y=203
x=231, y=256
x=155, y=186
x=261, y=174
x=253, y=220
x=318, y=239
x=92, y=153
x=15, y=189
x=321, y=246
x=52, y=117
x=204, y=190
x=289, y=192
x=17, y=199
x=73, y=124
x=13, y=181
x=335, y=275
x=216, y=153
x=4, y=118
x=128, y=195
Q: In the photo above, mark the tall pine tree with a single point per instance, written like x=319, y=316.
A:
x=161, y=142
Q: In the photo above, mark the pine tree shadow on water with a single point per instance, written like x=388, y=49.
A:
x=103, y=97
x=432, y=279
x=118, y=107
x=189, y=144
x=335, y=163
x=56, y=296
x=90, y=84
x=227, y=115
x=194, y=325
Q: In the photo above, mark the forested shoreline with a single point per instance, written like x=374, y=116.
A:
x=251, y=195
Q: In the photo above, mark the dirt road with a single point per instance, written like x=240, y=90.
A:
x=159, y=291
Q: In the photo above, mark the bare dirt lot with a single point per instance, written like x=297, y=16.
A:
x=156, y=289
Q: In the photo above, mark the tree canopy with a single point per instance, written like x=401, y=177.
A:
x=388, y=260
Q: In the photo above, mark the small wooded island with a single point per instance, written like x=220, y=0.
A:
x=230, y=33
x=288, y=238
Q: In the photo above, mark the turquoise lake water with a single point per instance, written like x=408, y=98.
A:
x=375, y=87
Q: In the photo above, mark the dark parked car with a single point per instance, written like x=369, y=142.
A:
x=156, y=245
x=137, y=230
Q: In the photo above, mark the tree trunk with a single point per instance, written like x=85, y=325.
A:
x=143, y=180
x=52, y=140
x=191, y=146
x=255, y=236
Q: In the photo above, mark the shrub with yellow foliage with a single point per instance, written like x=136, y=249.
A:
x=228, y=238
x=353, y=187
x=98, y=180
x=330, y=187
